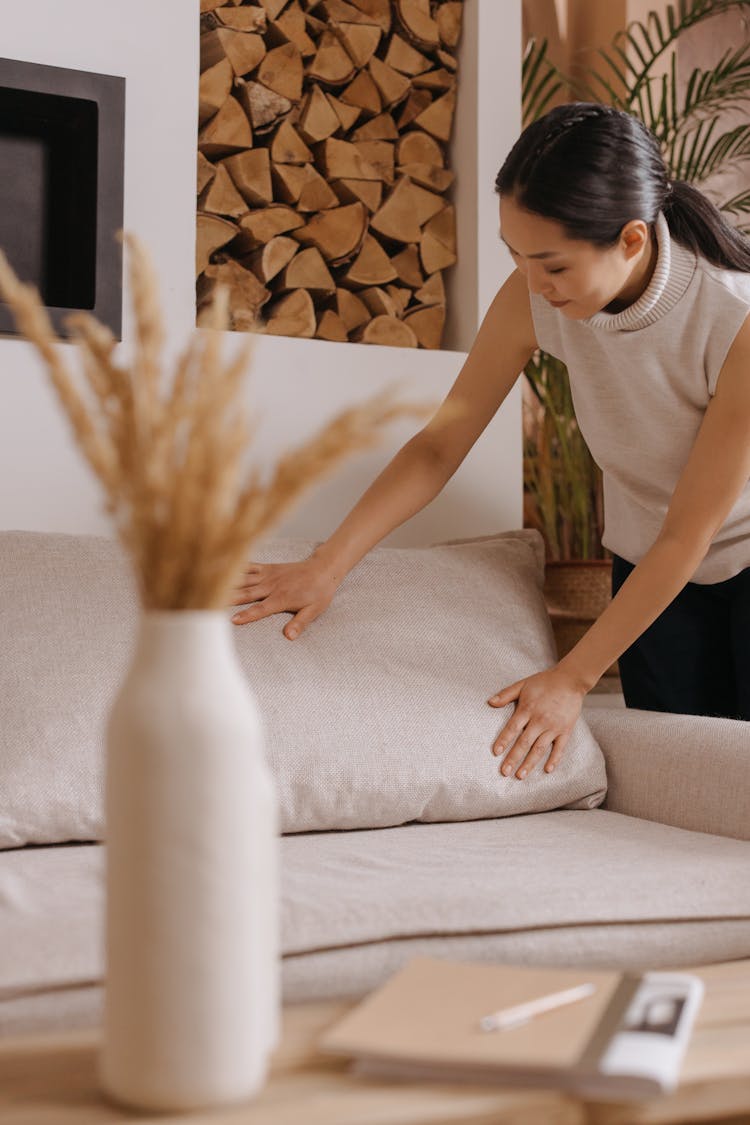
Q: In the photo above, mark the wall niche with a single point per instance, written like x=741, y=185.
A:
x=325, y=193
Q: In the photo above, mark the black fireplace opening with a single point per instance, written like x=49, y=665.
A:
x=48, y=156
x=62, y=186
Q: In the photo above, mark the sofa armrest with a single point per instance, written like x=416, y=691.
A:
x=689, y=771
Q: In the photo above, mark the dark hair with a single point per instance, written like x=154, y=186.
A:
x=593, y=168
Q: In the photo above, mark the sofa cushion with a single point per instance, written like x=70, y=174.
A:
x=375, y=716
x=563, y=888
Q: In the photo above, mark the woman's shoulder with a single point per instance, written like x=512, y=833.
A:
x=722, y=284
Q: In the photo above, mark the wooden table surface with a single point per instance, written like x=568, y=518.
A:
x=51, y=1080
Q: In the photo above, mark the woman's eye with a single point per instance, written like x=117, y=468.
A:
x=560, y=270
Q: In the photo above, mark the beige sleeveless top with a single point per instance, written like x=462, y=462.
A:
x=641, y=380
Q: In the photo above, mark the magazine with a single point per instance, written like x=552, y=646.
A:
x=603, y=1034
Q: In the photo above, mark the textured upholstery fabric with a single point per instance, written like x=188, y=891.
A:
x=687, y=770
x=562, y=888
x=375, y=716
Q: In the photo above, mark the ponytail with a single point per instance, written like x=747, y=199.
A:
x=695, y=222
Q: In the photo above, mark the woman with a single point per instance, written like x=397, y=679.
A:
x=643, y=290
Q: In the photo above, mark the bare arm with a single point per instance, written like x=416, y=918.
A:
x=423, y=466
x=412, y=478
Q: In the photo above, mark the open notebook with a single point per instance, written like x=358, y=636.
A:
x=626, y=1040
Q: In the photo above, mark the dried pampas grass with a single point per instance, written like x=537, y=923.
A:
x=170, y=453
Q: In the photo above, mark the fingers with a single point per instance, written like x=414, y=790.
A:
x=245, y=594
x=525, y=735
x=256, y=611
x=297, y=625
x=507, y=695
x=557, y=751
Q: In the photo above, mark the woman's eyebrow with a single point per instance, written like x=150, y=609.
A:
x=544, y=254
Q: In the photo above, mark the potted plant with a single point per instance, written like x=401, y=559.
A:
x=562, y=484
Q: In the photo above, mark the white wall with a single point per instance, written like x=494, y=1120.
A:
x=295, y=384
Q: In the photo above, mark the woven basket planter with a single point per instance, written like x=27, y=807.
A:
x=577, y=593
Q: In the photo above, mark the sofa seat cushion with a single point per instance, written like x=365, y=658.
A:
x=571, y=888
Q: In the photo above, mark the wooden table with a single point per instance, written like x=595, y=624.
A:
x=51, y=1080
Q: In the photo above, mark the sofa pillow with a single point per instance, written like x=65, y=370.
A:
x=376, y=715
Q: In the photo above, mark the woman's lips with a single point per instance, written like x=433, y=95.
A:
x=558, y=304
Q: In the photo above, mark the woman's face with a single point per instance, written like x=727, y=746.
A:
x=575, y=276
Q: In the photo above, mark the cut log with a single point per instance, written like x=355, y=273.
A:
x=352, y=311
x=307, y=270
x=251, y=175
x=419, y=148
x=378, y=301
x=247, y=295
x=292, y=26
x=437, y=119
x=369, y=192
x=417, y=102
x=264, y=107
x=341, y=160
x=211, y=233
x=380, y=128
x=318, y=118
x=427, y=325
x=443, y=227
x=407, y=266
x=336, y=11
x=379, y=155
x=402, y=56
x=264, y=224
x=388, y=331
x=420, y=27
x=448, y=18
x=317, y=194
x=397, y=218
x=337, y=233
x=287, y=146
x=425, y=203
x=243, y=19
x=282, y=72
x=332, y=65
x=433, y=291
x=360, y=40
x=347, y=114
x=222, y=197
x=214, y=89
x=434, y=254
x=227, y=131
x=244, y=50
x=427, y=176
x=400, y=296
x=392, y=86
x=378, y=10
x=293, y=315
x=211, y=49
x=206, y=172
x=273, y=8
x=331, y=327
x=371, y=267
x=272, y=259
x=448, y=60
x=437, y=80
x=363, y=93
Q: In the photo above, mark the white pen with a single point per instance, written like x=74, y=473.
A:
x=522, y=1013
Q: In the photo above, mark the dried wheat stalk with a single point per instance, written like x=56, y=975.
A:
x=170, y=453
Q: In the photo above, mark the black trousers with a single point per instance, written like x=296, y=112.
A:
x=695, y=658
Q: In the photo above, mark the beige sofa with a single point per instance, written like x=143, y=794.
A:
x=653, y=871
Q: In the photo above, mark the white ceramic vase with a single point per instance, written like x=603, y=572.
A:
x=192, y=988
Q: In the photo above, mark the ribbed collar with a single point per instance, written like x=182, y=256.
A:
x=675, y=266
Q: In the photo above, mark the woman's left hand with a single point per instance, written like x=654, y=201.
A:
x=548, y=705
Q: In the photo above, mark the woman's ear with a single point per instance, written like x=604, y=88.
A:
x=634, y=236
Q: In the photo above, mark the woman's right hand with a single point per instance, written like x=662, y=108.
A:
x=303, y=588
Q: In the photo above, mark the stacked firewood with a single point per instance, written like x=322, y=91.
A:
x=322, y=165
